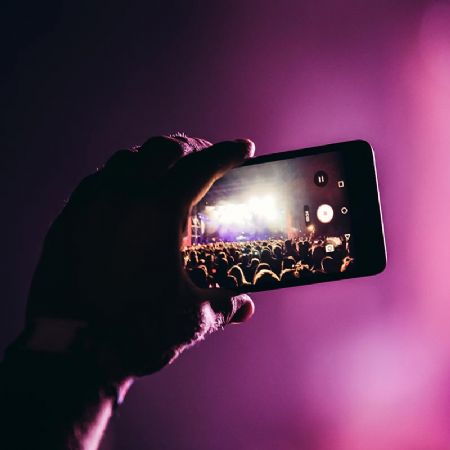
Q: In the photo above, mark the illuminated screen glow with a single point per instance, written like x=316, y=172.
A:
x=278, y=220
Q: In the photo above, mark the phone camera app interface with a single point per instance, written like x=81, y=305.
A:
x=321, y=178
x=270, y=225
x=325, y=213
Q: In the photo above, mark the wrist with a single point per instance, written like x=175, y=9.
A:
x=66, y=351
x=60, y=397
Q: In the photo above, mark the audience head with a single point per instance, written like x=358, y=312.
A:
x=266, y=255
x=199, y=276
x=265, y=279
x=262, y=266
x=288, y=262
x=288, y=276
x=238, y=273
x=330, y=265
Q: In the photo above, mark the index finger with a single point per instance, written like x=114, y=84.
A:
x=192, y=176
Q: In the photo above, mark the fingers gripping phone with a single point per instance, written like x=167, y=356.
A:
x=288, y=219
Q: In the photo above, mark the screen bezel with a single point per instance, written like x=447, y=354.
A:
x=364, y=205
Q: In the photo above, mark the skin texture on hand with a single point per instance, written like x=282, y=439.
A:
x=112, y=257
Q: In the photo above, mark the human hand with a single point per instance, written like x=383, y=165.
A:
x=112, y=257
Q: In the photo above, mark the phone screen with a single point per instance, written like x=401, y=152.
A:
x=288, y=219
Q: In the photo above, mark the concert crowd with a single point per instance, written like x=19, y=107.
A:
x=265, y=264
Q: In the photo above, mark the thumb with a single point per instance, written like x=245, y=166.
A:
x=229, y=308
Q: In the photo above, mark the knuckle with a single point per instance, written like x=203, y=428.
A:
x=84, y=191
x=120, y=160
x=166, y=144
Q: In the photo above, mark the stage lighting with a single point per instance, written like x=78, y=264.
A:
x=264, y=207
x=230, y=213
x=240, y=217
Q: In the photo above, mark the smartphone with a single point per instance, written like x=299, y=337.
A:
x=289, y=219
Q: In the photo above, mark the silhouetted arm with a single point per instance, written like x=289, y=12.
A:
x=110, y=300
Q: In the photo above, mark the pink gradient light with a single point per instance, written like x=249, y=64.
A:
x=360, y=364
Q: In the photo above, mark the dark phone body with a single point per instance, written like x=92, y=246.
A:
x=308, y=216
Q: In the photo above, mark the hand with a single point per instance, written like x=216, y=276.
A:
x=111, y=258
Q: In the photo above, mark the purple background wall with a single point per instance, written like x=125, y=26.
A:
x=360, y=364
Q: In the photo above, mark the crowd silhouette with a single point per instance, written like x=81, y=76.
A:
x=266, y=264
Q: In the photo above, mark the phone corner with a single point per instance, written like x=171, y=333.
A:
x=381, y=266
x=362, y=143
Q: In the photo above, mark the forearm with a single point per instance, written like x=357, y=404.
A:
x=51, y=402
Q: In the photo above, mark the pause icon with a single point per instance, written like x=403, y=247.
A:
x=320, y=178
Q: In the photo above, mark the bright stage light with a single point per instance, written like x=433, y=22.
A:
x=264, y=207
x=230, y=213
x=246, y=215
